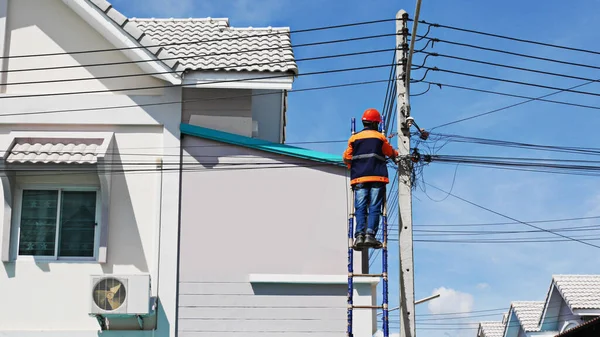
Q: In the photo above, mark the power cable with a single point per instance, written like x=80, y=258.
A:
x=590, y=174
x=437, y=232
x=510, y=106
x=187, y=100
x=80, y=79
x=511, y=81
x=188, y=85
x=516, y=96
x=502, y=51
x=593, y=52
x=511, y=223
x=228, y=53
x=514, y=241
x=511, y=218
x=505, y=143
x=508, y=66
x=280, y=32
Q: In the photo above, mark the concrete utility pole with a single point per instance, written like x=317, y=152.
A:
x=405, y=244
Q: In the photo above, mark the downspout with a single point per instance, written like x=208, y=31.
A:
x=160, y=198
x=4, y=45
x=176, y=323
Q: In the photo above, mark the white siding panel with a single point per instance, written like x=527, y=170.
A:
x=256, y=312
x=283, y=220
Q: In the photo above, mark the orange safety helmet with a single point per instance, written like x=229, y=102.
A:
x=371, y=115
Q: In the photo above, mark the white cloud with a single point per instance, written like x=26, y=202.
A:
x=379, y=333
x=240, y=12
x=450, y=301
x=483, y=286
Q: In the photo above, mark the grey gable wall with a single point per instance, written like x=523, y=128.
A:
x=237, y=222
x=235, y=111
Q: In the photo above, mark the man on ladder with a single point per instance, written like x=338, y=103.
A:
x=366, y=158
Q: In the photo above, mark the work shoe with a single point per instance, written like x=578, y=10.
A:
x=372, y=242
x=359, y=242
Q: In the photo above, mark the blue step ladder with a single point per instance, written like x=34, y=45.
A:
x=365, y=265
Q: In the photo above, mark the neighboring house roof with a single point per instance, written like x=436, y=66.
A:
x=151, y=33
x=492, y=329
x=226, y=48
x=259, y=144
x=591, y=325
x=579, y=291
x=528, y=313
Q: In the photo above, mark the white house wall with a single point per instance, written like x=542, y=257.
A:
x=50, y=299
x=566, y=316
x=239, y=222
x=55, y=28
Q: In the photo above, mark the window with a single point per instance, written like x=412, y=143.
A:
x=58, y=223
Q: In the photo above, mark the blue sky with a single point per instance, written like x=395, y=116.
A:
x=473, y=276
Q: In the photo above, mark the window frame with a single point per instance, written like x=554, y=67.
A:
x=53, y=187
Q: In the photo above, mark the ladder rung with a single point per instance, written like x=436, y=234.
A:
x=368, y=275
x=367, y=307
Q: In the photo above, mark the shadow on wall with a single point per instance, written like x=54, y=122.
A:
x=66, y=35
x=43, y=16
x=9, y=268
x=124, y=242
x=300, y=289
x=208, y=154
x=128, y=326
x=124, y=239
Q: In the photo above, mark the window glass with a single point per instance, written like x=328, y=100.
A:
x=38, y=223
x=77, y=223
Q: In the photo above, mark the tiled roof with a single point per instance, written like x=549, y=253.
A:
x=131, y=29
x=492, y=329
x=528, y=313
x=579, y=291
x=223, y=48
x=226, y=48
x=39, y=150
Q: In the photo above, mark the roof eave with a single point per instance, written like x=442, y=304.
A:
x=267, y=80
x=116, y=35
x=547, y=303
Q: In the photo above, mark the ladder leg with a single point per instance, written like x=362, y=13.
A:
x=350, y=274
x=349, y=332
x=384, y=271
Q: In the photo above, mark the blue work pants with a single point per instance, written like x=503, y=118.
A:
x=368, y=202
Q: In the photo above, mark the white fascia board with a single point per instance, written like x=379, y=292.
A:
x=542, y=319
x=308, y=279
x=238, y=80
x=541, y=333
x=115, y=35
x=587, y=312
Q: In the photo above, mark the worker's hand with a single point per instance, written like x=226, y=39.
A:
x=396, y=160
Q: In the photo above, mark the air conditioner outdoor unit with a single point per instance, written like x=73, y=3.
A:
x=120, y=294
